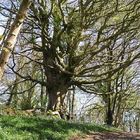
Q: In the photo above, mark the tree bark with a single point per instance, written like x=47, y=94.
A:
x=138, y=123
x=56, y=97
x=57, y=81
x=57, y=86
x=109, y=119
x=72, y=106
x=12, y=35
x=109, y=113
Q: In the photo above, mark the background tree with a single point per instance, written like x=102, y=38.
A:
x=12, y=35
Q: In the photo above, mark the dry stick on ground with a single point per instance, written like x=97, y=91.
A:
x=12, y=35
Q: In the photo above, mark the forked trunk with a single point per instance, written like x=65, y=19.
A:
x=57, y=87
x=57, y=80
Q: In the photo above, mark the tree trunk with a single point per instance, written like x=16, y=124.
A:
x=57, y=80
x=73, y=101
x=57, y=87
x=138, y=123
x=109, y=113
x=56, y=99
x=12, y=36
x=109, y=117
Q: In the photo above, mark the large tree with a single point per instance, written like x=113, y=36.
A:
x=77, y=41
x=74, y=35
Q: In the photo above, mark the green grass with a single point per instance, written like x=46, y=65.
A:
x=35, y=128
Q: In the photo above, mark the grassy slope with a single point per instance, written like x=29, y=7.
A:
x=33, y=128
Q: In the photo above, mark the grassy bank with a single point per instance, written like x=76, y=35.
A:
x=33, y=128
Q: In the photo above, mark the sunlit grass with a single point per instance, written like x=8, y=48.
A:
x=35, y=128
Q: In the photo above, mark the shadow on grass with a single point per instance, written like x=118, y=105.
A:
x=48, y=129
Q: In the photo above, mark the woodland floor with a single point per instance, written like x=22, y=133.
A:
x=110, y=136
x=43, y=128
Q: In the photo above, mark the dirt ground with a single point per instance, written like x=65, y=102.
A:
x=111, y=136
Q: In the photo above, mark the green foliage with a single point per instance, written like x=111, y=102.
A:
x=25, y=128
